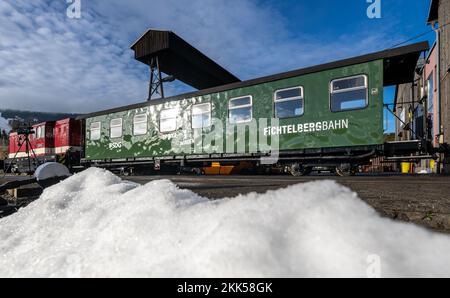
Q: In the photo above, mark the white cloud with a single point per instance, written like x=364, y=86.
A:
x=51, y=62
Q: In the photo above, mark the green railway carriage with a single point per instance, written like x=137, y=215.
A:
x=330, y=114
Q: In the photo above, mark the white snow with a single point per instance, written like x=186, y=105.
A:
x=51, y=170
x=4, y=125
x=96, y=225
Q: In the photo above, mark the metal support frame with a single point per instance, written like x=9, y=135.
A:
x=395, y=115
x=28, y=149
x=156, y=81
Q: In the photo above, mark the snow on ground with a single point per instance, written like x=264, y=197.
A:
x=96, y=225
x=4, y=125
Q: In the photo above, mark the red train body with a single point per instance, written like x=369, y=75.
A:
x=42, y=142
x=67, y=134
x=51, y=141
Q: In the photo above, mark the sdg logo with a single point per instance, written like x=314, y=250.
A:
x=74, y=9
x=374, y=9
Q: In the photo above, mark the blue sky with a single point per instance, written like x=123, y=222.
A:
x=49, y=62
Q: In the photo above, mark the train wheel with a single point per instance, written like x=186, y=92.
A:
x=298, y=170
x=345, y=170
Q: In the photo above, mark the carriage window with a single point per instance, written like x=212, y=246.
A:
x=168, y=120
x=349, y=93
x=201, y=115
x=289, y=102
x=40, y=132
x=116, y=128
x=240, y=109
x=140, y=125
x=95, y=131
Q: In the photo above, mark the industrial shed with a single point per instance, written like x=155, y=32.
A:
x=164, y=51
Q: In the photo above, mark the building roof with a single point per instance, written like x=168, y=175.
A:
x=399, y=68
x=433, y=13
x=180, y=59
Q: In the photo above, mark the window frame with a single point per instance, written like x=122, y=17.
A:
x=209, y=112
x=176, y=118
x=37, y=135
x=146, y=124
x=121, y=128
x=40, y=132
x=288, y=99
x=99, y=129
x=366, y=86
x=240, y=107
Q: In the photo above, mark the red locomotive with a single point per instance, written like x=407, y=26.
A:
x=67, y=136
x=58, y=141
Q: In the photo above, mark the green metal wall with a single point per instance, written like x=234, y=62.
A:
x=365, y=126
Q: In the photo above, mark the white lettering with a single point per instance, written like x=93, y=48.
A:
x=345, y=123
x=318, y=126
x=188, y=288
x=115, y=145
x=74, y=9
x=374, y=9
x=307, y=127
x=374, y=266
x=337, y=124
x=331, y=126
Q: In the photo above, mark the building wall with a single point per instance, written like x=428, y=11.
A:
x=408, y=98
x=430, y=75
x=404, y=105
x=444, y=18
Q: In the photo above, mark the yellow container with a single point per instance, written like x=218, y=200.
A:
x=217, y=169
x=406, y=167
x=432, y=165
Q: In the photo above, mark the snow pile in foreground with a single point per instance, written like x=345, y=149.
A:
x=4, y=125
x=95, y=224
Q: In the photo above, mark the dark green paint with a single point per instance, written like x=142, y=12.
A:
x=365, y=125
